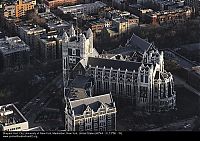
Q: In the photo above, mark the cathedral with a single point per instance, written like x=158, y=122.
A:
x=137, y=76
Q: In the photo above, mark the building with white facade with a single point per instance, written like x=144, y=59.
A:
x=91, y=114
x=11, y=119
x=83, y=111
x=75, y=47
x=90, y=8
x=139, y=77
x=124, y=73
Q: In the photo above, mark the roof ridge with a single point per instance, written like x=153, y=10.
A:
x=104, y=95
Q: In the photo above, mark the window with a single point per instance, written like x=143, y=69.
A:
x=106, y=86
x=88, y=124
x=64, y=63
x=128, y=90
x=121, y=88
x=146, y=79
x=141, y=78
x=143, y=92
x=74, y=60
x=73, y=51
x=113, y=89
x=70, y=60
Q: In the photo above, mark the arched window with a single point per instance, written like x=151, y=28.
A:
x=146, y=78
x=141, y=77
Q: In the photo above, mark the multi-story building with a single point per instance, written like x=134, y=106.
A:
x=53, y=22
x=75, y=47
x=11, y=119
x=23, y=6
x=143, y=82
x=169, y=16
x=120, y=4
x=19, y=8
x=90, y=8
x=169, y=5
x=195, y=4
x=126, y=23
x=97, y=25
x=28, y=32
x=113, y=13
x=14, y=54
x=121, y=25
x=48, y=47
x=9, y=11
x=56, y=3
x=96, y=113
x=139, y=10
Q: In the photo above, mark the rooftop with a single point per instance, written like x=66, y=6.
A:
x=74, y=8
x=77, y=93
x=52, y=21
x=135, y=43
x=112, y=30
x=115, y=64
x=171, y=11
x=10, y=115
x=29, y=27
x=79, y=106
x=80, y=81
x=78, y=87
x=120, y=19
x=12, y=44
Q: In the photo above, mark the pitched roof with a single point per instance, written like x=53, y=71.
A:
x=136, y=41
x=115, y=64
x=79, y=109
x=79, y=106
x=151, y=47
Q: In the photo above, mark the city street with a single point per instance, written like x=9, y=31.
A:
x=35, y=106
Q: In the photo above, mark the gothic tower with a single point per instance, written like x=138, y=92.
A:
x=74, y=48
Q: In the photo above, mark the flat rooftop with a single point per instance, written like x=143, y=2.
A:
x=52, y=21
x=12, y=44
x=77, y=93
x=10, y=115
x=171, y=11
x=32, y=27
x=78, y=86
x=73, y=8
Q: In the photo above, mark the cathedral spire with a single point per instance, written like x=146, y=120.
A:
x=151, y=48
x=72, y=31
x=65, y=37
x=89, y=33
